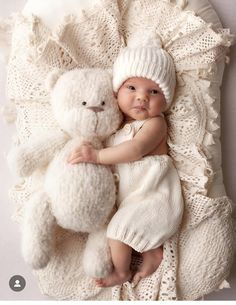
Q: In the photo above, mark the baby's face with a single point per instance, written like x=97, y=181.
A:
x=140, y=98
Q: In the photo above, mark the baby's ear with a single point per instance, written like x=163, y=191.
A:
x=52, y=78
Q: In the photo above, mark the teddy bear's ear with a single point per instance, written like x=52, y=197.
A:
x=52, y=78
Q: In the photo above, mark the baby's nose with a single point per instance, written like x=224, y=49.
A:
x=95, y=109
x=142, y=98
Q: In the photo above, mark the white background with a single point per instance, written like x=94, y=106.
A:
x=11, y=262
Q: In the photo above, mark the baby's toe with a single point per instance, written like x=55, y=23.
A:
x=137, y=277
x=98, y=282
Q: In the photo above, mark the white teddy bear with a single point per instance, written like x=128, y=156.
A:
x=77, y=197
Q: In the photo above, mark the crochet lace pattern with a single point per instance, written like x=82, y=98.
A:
x=198, y=258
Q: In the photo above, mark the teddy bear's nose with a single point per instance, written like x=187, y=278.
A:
x=95, y=109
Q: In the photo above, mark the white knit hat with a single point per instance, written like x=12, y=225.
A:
x=145, y=57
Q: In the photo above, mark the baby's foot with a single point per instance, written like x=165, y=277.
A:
x=113, y=279
x=151, y=261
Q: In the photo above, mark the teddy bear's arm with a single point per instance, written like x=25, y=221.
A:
x=26, y=158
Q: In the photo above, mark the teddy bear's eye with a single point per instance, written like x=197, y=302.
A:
x=84, y=103
x=103, y=103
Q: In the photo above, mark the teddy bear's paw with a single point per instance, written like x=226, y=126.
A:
x=36, y=251
x=97, y=258
x=38, y=231
x=36, y=258
x=97, y=265
x=19, y=162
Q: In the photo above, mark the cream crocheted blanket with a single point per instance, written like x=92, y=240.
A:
x=198, y=258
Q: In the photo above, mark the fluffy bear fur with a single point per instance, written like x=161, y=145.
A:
x=77, y=197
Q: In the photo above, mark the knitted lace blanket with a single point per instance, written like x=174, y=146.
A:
x=198, y=258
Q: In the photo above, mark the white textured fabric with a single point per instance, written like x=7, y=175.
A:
x=150, y=203
x=59, y=8
x=207, y=233
x=145, y=58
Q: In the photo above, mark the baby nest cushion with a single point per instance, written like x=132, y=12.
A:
x=198, y=258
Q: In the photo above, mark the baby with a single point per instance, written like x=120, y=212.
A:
x=150, y=202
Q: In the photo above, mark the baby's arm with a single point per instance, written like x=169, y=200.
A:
x=143, y=143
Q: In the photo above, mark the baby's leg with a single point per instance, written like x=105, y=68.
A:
x=151, y=261
x=121, y=258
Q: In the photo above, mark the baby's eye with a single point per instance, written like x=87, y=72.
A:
x=84, y=103
x=154, y=92
x=103, y=103
x=132, y=88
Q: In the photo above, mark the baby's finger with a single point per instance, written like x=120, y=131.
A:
x=77, y=160
x=74, y=156
x=70, y=158
x=73, y=152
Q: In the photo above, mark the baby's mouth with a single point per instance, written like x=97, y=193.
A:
x=140, y=108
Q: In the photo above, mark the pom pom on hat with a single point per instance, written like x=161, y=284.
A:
x=145, y=57
x=142, y=38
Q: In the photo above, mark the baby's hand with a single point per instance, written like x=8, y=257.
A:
x=85, y=153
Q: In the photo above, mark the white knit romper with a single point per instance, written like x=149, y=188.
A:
x=150, y=203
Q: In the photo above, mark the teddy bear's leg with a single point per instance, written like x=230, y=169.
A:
x=38, y=231
x=97, y=258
